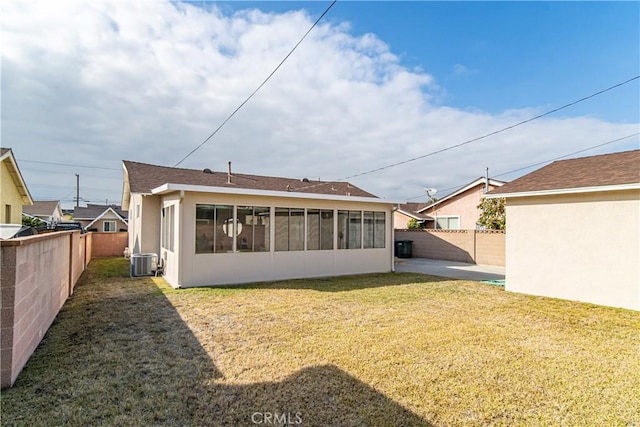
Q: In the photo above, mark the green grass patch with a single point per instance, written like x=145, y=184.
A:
x=380, y=349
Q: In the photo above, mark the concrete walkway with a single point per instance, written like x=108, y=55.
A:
x=455, y=270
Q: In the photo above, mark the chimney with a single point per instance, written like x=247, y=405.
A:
x=229, y=172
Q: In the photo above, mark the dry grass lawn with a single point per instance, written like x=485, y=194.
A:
x=372, y=350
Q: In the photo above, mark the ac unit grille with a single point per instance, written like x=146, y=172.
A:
x=143, y=264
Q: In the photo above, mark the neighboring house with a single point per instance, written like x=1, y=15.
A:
x=14, y=193
x=67, y=214
x=406, y=212
x=213, y=228
x=103, y=218
x=459, y=210
x=47, y=211
x=574, y=230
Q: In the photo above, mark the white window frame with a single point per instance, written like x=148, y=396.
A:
x=447, y=217
x=104, y=226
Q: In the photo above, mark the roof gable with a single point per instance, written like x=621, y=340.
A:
x=464, y=189
x=605, y=171
x=109, y=214
x=142, y=178
x=6, y=156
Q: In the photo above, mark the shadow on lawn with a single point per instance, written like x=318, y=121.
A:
x=120, y=354
x=342, y=283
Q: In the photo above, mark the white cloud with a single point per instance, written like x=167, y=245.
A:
x=95, y=83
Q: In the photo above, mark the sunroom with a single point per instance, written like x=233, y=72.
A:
x=227, y=233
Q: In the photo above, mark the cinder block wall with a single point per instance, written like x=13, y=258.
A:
x=490, y=247
x=485, y=247
x=108, y=244
x=36, y=277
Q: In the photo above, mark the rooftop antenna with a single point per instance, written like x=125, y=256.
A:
x=430, y=193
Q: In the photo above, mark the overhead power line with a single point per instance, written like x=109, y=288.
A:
x=68, y=164
x=593, y=147
x=451, y=147
x=258, y=88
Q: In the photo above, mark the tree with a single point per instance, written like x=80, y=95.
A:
x=31, y=221
x=413, y=224
x=493, y=215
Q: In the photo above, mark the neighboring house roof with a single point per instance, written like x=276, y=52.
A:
x=148, y=179
x=616, y=171
x=92, y=212
x=99, y=217
x=472, y=184
x=6, y=156
x=412, y=210
x=42, y=208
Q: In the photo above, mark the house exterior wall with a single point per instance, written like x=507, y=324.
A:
x=582, y=247
x=185, y=268
x=9, y=196
x=144, y=224
x=173, y=258
x=99, y=225
x=464, y=205
x=400, y=220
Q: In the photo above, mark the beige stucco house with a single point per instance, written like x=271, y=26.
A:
x=458, y=210
x=14, y=193
x=573, y=230
x=213, y=228
x=102, y=218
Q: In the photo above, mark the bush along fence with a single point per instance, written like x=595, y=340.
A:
x=38, y=275
x=486, y=247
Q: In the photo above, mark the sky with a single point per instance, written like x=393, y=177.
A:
x=86, y=85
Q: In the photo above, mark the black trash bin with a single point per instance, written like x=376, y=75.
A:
x=404, y=248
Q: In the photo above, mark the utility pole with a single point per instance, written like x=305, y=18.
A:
x=77, y=191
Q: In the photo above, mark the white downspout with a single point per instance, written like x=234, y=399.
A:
x=393, y=243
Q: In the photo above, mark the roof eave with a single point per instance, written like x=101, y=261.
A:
x=414, y=216
x=561, y=191
x=126, y=188
x=168, y=188
x=17, y=177
x=467, y=187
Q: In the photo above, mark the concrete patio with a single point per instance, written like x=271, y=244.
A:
x=451, y=269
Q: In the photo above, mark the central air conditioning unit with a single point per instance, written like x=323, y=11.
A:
x=143, y=264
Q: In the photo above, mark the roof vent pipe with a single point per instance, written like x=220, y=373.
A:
x=229, y=172
x=486, y=180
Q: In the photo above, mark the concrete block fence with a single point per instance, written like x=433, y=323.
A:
x=486, y=247
x=38, y=274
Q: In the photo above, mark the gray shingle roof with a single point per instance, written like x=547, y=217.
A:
x=40, y=207
x=94, y=211
x=413, y=208
x=144, y=177
x=594, y=171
